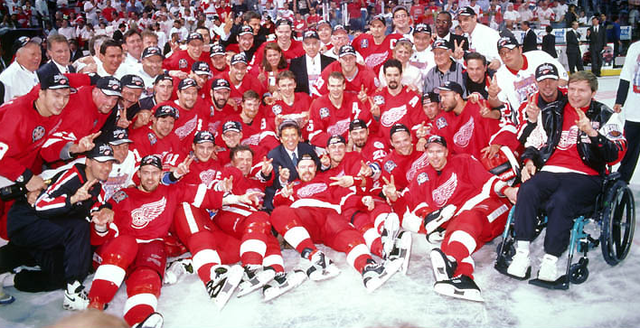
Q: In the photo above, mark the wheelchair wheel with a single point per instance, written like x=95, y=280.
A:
x=579, y=272
x=618, y=223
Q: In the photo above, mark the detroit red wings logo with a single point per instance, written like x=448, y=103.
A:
x=141, y=216
x=442, y=194
x=393, y=115
x=462, y=137
x=183, y=131
x=253, y=140
x=209, y=176
x=339, y=128
x=311, y=189
x=417, y=165
x=568, y=138
x=374, y=60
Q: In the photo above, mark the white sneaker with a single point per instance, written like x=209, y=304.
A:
x=548, y=268
x=154, y=320
x=520, y=264
x=75, y=297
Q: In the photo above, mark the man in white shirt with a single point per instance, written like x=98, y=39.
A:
x=511, y=16
x=20, y=77
x=402, y=22
x=68, y=31
x=133, y=47
x=482, y=38
x=150, y=68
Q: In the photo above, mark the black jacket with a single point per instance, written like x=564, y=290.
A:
x=299, y=68
x=50, y=69
x=596, y=152
x=530, y=41
x=573, y=43
x=549, y=45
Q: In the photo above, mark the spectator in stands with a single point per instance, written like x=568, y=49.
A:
x=549, y=42
x=20, y=76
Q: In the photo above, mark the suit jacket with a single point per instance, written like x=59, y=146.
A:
x=50, y=69
x=453, y=38
x=76, y=55
x=530, y=41
x=598, y=40
x=573, y=41
x=281, y=159
x=549, y=45
x=299, y=68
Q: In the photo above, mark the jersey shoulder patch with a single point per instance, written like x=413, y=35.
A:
x=119, y=196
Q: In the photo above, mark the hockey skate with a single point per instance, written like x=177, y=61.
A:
x=375, y=274
x=75, y=297
x=462, y=287
x=282, y=283
x=177, y=270
x=401, y=250
x=154, y=320
x=255, y=277
x=436, y=237
x=443, y=268
x=224, y=281
x=321, y=267
x=437, y=218
x=389, y=234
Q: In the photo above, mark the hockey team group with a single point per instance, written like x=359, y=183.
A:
x=220, y=167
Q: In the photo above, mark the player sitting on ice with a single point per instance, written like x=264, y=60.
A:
x=131, y=241
x=461, y=183
x=308, y=211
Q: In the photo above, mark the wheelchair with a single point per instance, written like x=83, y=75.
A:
x=614, y=218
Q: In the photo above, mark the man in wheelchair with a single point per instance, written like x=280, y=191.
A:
x=563, y=172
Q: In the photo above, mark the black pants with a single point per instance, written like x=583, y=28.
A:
x=596, y=60
x=575, y=61
x=61, y=247
x=563, y=197
x=628, y=164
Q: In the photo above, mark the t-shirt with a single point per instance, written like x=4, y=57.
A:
x=631, y=72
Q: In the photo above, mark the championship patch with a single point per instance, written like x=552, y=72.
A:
x=324, y=112
x=37, y=133
x=119, y=196
x=276, y=109
x=441, y=123
x=182, y=63
x=422, y=178
x=378, y=100
x=364, y=43
x=390, y=166
x=379, y=145
x=152, y=138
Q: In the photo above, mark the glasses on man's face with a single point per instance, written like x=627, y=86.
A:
x=401, y=16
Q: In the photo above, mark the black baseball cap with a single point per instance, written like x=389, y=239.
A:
x=219, y=84
x=467, y=11
x=438, y=140
x=110, y=86
x=203, y=136
x=152, y=160
x=508, y=42
x=422, y=28
x=101, y=152
x=217, y=49
x=187, y=83
x=194, y=36
x=336, y=139
x=546, y=71
x=166, y=110
x=451, y=86
x=119, y=136
x=379, y=18
x=238, y=58
x=430, y=97
x=56, y=82
x=24, y=40
x=152, y=51
x=132, y=82
x=346, y=50
x=231, y=126
x=310, y=35
x=163, y=77
x=201, y=68
x=245, y=29
x=440, y=44
x=357, y=124
x=398, y=127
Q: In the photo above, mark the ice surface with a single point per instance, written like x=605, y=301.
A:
x=609, y=298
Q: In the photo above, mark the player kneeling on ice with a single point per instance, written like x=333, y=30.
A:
x=308, y=212
x=460, y=184
x=132, y=239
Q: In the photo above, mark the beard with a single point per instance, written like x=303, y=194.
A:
x=220, y=102
x=393, y=85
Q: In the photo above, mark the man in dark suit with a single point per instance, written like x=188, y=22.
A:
x=530, y=41
x=60, y=56
x=76, y=52
x=597, y=37
x=285, y=158
x=574, y=57
x=443, y=31
x=308, y=68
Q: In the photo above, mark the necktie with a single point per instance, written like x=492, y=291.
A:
x=294, y=159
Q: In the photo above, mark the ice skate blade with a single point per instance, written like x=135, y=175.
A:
x=233, y=280
x=450, y=291
x=246, y=288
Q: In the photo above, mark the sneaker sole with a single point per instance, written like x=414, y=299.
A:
x=449, y=290
x=438, y=263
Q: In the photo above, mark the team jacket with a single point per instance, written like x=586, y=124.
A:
x=375, y=54
x=190, y=121
x=146, y=142
x=259, y=134
x=23, y=133
x=403, y=168
x=608, y=147
x=181, y=61
x=405, y=108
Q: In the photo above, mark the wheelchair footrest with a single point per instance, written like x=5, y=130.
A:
x=502, y=266
x=561, y=283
